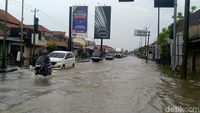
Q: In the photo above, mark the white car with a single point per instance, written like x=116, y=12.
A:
x=62, y=59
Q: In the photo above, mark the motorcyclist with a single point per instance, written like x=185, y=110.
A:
x=44, y=59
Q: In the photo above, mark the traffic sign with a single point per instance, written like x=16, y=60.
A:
x=140, y=32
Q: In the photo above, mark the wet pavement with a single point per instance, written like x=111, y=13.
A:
x=127, y=85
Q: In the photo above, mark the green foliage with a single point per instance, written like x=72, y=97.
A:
x=193, y=9
x=163, y=35
x=180, y=16
x=166, y=31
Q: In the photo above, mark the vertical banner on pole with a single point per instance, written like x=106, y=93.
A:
x=80, y=21
x=102, y=22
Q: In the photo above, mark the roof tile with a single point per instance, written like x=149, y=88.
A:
x=11, y=19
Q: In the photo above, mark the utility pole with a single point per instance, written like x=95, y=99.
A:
x=158, y=21
x=174, y=35
x=5, y=35
x=21, y=36
x=148, y=34
x=185, y=38
x=141, y=46
x=146, y=45
x=34, y=32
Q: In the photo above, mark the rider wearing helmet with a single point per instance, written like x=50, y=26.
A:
x=44, y=59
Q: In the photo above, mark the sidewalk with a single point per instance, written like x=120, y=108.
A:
x=9, y=69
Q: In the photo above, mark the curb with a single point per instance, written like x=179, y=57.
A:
x=8, y=70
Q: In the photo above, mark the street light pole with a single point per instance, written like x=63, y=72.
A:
x=5, y=35
x=185, y=37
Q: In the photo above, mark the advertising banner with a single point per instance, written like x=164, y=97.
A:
x=102, y=22
x=80, y=21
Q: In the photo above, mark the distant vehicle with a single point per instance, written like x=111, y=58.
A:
x=118, y=55
x=97, y=57
x=62, y=59
x=110, y=56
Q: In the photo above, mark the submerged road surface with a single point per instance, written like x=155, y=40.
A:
x=127, y=85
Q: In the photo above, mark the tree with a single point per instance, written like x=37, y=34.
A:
x=193, y=9
x=163, y=35
x=180, y=16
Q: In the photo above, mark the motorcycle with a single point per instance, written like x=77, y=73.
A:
x=40, y=69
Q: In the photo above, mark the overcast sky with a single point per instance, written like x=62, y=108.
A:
x=126, y=17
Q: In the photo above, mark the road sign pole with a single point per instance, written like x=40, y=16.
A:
x=101, y=45
x=70, y=30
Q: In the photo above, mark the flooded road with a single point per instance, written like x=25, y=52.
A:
x=126, y=85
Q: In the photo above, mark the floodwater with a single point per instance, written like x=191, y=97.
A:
x=127, y=85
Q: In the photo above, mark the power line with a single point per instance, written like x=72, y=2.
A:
x=51, y=24
x=54, y=23
x=52, y=18
x=43, y=13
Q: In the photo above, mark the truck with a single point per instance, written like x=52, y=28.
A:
x=119, y=53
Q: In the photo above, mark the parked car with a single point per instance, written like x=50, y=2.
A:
x=110, y=56
x=62, y=59
x=96, y=57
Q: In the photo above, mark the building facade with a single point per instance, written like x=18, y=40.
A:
x=193, y=44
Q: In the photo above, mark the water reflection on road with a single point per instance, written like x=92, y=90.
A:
x=126, y=85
